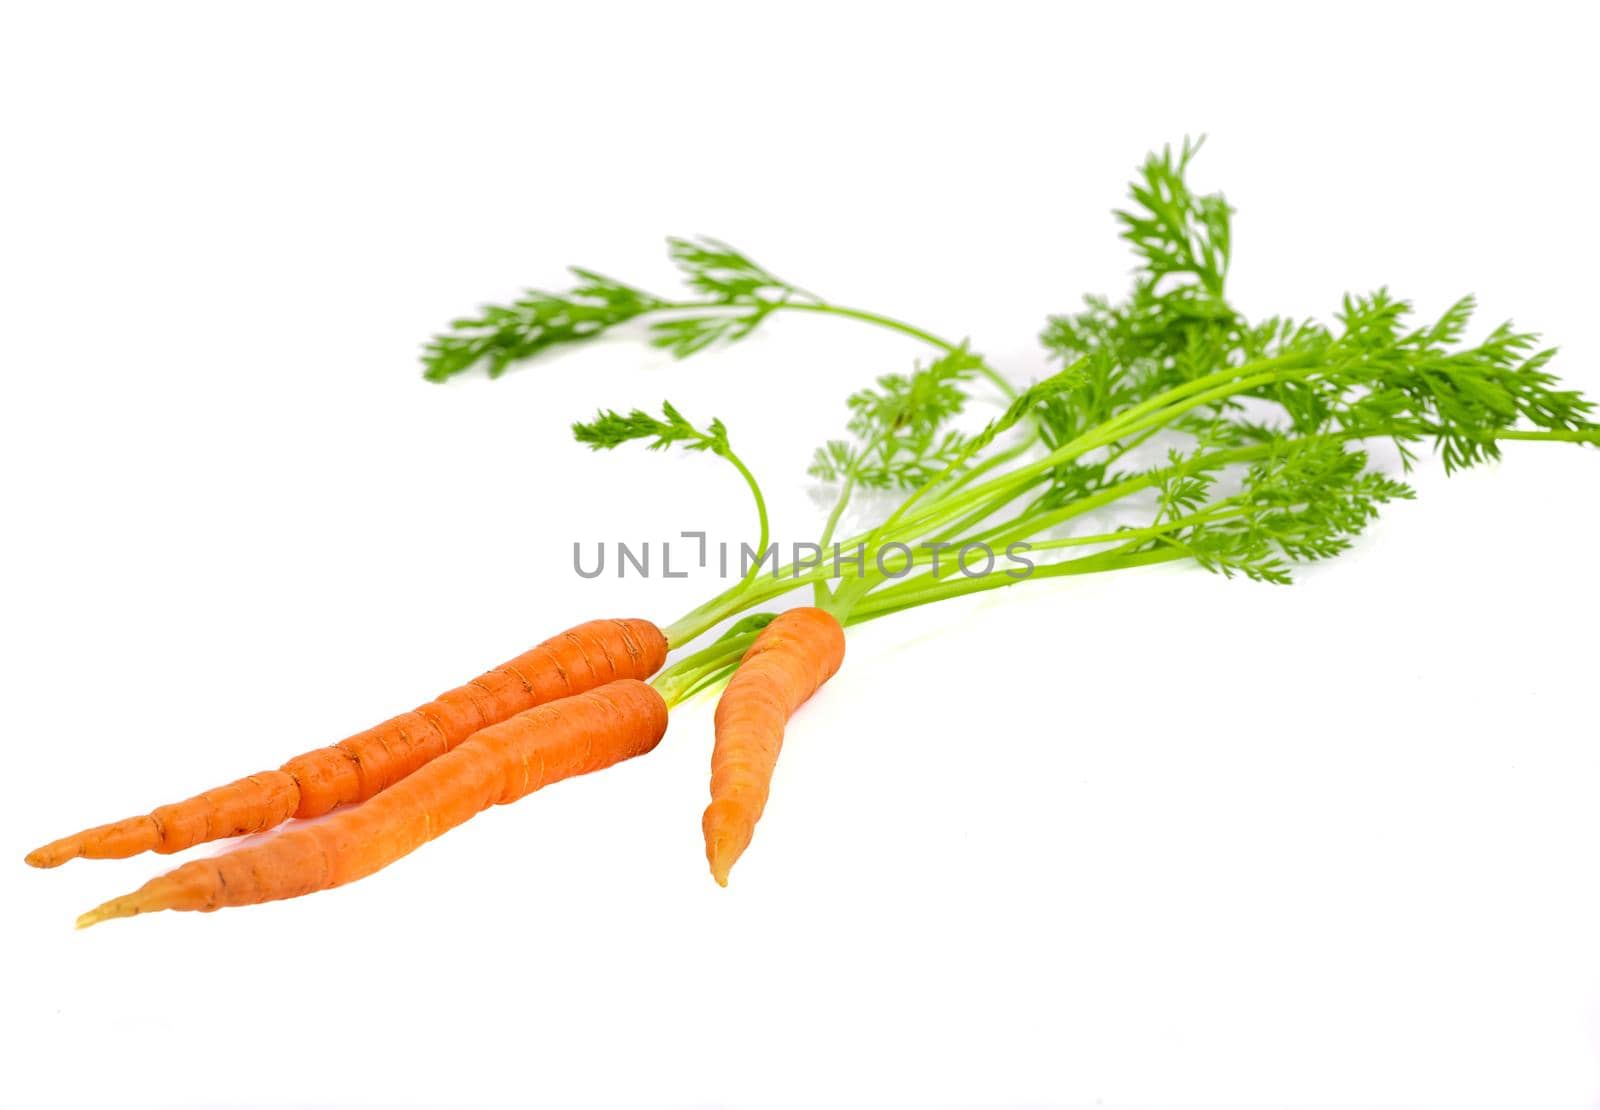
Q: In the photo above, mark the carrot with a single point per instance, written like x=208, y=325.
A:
x=789, y=661
x=498, y=765
x=357, y=768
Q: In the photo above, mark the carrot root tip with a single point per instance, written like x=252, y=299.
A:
x=57, y=852
x=44, y=857
x=158, y=894
x=117, y=907
x=118, y=840
x=721, y=858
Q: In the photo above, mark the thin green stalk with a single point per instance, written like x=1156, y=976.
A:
x=877, y=318
x=823, y=595
x=1184, y=398
x=705, y=668
x=679, y=680
x=1555, y=435
x=897, y=599
x=954, y=477
x=994, y=376
x=761, y=515
x=739, y=599
x=1008, y=486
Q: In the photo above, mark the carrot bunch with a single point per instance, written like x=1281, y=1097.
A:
x=1191, y=432
x=576, y=703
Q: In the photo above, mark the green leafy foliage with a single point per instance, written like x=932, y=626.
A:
x=735, y=295
x=1296, y=389
x=503, y=334
x=689, y=335
x=1304, y=503
x=728, y=280
x=1246, y=435
x=1411, y=385
x=1030, y=403
x=611, y=429
x=1176, y=232
x=900, y=434
x=723, y=274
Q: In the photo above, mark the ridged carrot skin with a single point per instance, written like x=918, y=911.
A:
x=497, y=765
x=369, y=762
x=789, y=661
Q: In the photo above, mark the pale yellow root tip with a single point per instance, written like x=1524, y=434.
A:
x=126, y=906
x=721, y=859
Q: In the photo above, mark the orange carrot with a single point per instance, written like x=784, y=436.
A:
x=789, y=661
x=497, y=765
x=355, y=769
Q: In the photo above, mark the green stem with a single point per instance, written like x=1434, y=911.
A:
x=738, y=599
x=704, y=668
x=684, y=677
x=692, y=624
x=960, y=503
x=823, y=596
x=1555, y=435
x=852, y=591
x=898, y=598
x=1154, y=412
x=876, y=318
x=761, y=515
x=882, y=321
x=838, y=510
x=822, y=593
x=687, y=627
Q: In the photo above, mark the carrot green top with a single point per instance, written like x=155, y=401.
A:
x=1198, y=433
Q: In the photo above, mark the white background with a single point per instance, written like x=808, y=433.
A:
x=1149, y=839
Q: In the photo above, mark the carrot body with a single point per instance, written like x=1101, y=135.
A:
x=499, y=764
x=369, y=762
x=789, y=661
